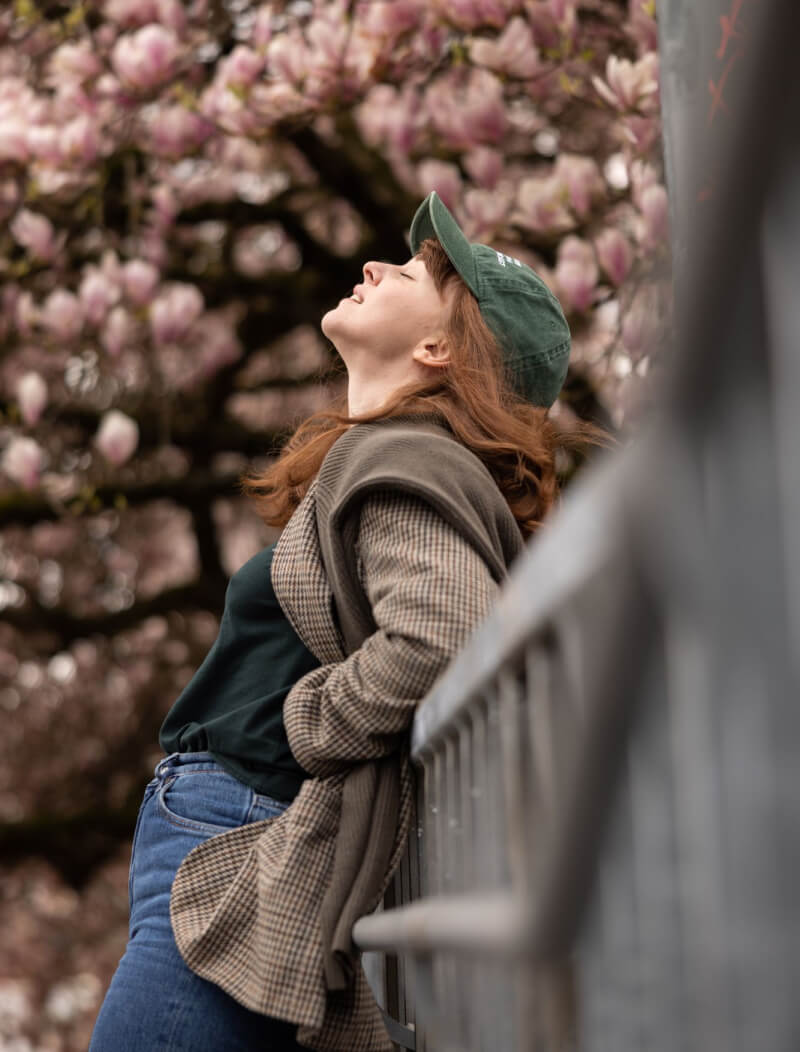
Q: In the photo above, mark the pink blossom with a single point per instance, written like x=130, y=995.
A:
x=642, y=175
x=35, y=234
x=22, y=461
x=576, y=273
x=62, y=315
x=165, y=204
x=118, y=331
x=241, y=67
x=44, y=143
x=639, y=323
x=287, y=57
x=73, y=62
x=31, y=396
x=262, y=27
x=442, y=177
x=513, y=53
x=132, y=13
x=642, y=26
x=486, y=211
x=540, y=206
x=630, y=85
x=390, y=18
x=655, y=210
x=146, y=58
x=615, y=254
x=97, y=295
x=484, y=166
x=218, y=342
x=174, y=312
x=469, y=14
x=642, y=132
x=117, y=437
x=140, y=279
x=468, y=114
x=13, y=138
x=582, y=179
x=390, y=117
x=80, y=141
x=174, y=131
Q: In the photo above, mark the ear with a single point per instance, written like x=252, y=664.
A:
x=432, y=352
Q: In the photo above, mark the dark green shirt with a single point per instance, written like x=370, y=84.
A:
x=233, y=705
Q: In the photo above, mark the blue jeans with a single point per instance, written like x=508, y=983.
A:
x=155, y=1003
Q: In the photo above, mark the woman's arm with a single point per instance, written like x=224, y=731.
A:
x=428, y=589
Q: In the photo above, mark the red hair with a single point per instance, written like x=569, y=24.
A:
x=471, y=396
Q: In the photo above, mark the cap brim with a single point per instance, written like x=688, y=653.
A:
x=433, y=219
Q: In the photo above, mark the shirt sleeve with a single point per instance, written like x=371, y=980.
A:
x=428, y=589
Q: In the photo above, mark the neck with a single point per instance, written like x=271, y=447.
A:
x=367, y=392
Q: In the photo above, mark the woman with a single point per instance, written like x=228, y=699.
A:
x=401, y=517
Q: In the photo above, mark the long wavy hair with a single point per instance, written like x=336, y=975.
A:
x=471, y=396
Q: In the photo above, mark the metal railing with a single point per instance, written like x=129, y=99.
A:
x=606, y=854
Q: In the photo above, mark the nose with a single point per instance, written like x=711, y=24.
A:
x=373, y=272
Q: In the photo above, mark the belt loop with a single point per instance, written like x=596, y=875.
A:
x=161, y=767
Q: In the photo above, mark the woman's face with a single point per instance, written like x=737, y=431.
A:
x=395, y=310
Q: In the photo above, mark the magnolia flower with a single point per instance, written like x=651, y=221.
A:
x=629, y=85
x=32, y=397
x=173, y=131
x=583, y=181
x=241, y=67
x=466, y=115
x=219, y=345
x=484, y=166
x=513, y=53
x=615, y=254
x=97, y=295
x=22, y=461
x=390, y=18
x=486, y=211
x=642, y=175
x=442, y=177
x=576, y=273
x=44, y=143
x=146, y=58
x=118, y=331
x=540, y=206
x=75, y=62
x=35, y=234
x=174, y=312
x=62, y=315
x=140, y=280
x=13, y=138
x=117, y=437
x=79, y=140
x=655, y=210
x=468, y=14
x=287, y=57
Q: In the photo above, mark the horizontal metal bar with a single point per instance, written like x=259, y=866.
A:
x=569, y=550
x=492, y=924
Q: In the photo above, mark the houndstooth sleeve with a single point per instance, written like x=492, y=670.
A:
x=428, y=589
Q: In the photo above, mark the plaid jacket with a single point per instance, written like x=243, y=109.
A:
x=389, y=563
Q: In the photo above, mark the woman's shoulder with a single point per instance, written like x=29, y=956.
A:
x=408, y=452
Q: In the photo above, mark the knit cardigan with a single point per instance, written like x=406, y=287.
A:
x=388, y=564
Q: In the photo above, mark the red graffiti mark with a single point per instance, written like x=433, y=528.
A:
x=717, y=91
x=728, y=24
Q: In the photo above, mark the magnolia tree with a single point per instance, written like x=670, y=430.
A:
x=184, y=190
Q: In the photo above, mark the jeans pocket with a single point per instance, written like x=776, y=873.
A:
x=204, y=802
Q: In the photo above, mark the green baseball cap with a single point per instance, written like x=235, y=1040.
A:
x=521, y=311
